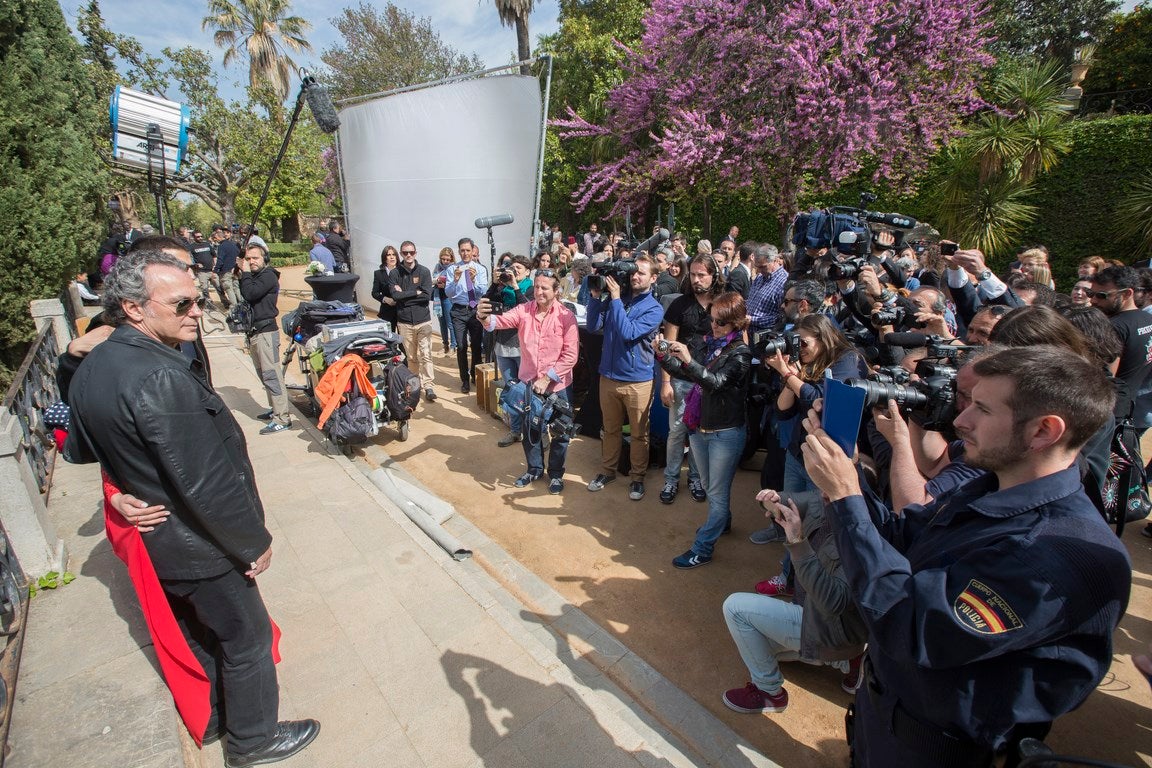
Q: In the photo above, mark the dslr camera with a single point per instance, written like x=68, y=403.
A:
x=620, y=271
x=766, y=344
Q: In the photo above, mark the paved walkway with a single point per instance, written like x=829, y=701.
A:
x=407, y=657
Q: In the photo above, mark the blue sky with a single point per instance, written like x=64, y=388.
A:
x=469, y=26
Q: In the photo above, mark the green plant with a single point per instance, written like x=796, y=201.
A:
x=1134, y=214
x=50, y=580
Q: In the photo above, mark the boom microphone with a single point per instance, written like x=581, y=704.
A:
x=908, y=340
x=494, y=221
x=320, y=103
x=656, y=239
x=891, y=219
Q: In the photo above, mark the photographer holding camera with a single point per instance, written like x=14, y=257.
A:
x=626, y=367
x=512, y=286
x=549, y=343
x=991, y=611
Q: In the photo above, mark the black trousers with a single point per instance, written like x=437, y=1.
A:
x=469, y=333
x=227, y=627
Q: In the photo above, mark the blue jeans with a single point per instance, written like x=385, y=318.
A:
x=534, y=450
x=766, y=631
x=678, y=435
x=447, y=334
x=717, y=456
x=509, y=369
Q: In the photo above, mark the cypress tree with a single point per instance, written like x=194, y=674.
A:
x=51, y=193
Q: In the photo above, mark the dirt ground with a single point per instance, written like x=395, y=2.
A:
x=612, y=558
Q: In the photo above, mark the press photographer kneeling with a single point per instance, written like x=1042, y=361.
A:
x=548, y=349
x=990, y=611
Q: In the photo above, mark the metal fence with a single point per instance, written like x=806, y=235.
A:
x=32, y=391
x=1134, y=102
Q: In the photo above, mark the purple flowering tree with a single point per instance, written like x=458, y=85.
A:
x=787, y=98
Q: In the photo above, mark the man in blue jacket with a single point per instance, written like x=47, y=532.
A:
x=991, y=610
x=626, y=369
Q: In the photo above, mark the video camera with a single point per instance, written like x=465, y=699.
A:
x=557, y=415
x=620, y=271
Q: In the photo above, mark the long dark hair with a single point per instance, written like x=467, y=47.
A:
x=833, y=344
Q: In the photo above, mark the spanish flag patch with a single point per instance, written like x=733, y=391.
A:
x=980, y=609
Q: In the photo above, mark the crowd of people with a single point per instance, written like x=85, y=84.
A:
x=950, y=556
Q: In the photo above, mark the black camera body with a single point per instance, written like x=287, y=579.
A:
x=620, y=271
x=930, y=400
x=766, y=344
x=848, y=268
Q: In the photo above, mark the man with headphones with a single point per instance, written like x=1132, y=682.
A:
x=260, y=287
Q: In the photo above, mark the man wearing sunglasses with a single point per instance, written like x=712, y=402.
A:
x=147, y=413
x=1113, y=293
x=260, y=287
x=410, y=285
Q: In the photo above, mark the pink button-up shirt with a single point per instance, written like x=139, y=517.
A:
x=548, y=346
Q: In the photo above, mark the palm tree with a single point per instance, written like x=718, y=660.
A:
x=515, y=13
x=261, y=30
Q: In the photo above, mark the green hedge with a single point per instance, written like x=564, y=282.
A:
x=288, y=254
x=1078, y=199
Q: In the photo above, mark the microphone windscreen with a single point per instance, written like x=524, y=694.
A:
x=906, y=339
x=494, y=221
x=321, y=106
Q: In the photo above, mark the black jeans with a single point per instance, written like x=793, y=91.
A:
x=227, y=627
x=469, y=333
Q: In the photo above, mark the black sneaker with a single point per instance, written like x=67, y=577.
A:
x=273, y=428
x=690, y=560
x=600, y=481
x=696, y=488
x=636, y=490
x=265, y=416
x=464, y=389
x=430, y=395
x=668, y=493
x=526, y=480
x=556, y=486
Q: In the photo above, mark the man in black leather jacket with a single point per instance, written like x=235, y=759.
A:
x=161, y=433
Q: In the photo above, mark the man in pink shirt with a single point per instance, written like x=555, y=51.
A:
x=548, y=349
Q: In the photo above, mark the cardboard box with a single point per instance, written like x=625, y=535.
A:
x=485, y=373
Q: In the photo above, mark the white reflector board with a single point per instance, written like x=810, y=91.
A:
x=424, y=165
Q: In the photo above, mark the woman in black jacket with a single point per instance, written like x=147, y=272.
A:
x=714, y=412
x=389, y=258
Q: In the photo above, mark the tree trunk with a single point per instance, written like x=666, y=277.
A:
x=522, y=44
x=290, y=228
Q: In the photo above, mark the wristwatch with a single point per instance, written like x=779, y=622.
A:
x=985, y=275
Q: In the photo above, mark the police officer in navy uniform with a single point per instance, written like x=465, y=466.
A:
x=990, y=611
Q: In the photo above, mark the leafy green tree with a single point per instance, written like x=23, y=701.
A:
x=52, y=195
x=589, y=51
x=1123, y=59
x=1050, y=28
x=383, y=49
x=1134, y=214
x=259, y=30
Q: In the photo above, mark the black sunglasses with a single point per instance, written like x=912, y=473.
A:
x=1102, y=294
x=407, y=253
x=184, y=306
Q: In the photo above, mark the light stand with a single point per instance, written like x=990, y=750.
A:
x=158, y=187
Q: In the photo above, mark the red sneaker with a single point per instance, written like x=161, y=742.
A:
x=855, y=676
x=777, y=586
x=752, y=699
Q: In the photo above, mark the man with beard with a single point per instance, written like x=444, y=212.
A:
x=688, y=320
x=1113, y=293
x=990, y=611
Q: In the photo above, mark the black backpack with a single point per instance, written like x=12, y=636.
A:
x=240, y=318
x=403, y=391
x=352, y=422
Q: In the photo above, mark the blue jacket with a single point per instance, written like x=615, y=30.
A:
x=988, y=607
x=628, y=332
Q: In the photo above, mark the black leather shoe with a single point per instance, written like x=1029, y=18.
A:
x=291, y=737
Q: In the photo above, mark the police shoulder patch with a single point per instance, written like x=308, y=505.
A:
x=980, y=609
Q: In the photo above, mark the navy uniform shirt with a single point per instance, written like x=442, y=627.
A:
x=987, y=608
